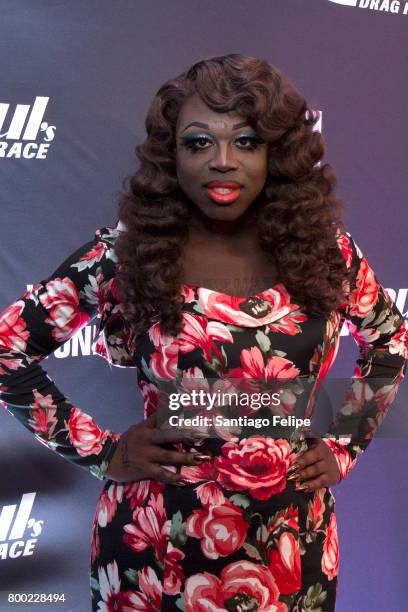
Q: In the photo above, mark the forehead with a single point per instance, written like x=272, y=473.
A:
x=195, y=110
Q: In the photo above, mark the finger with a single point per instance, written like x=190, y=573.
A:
x=169, y=457
x=312, y=442
x=308, y=472
x=151, y=420
x=306, y=458
x=315, y=483
x=162, y=474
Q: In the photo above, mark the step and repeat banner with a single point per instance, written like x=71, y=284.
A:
x=76, y=81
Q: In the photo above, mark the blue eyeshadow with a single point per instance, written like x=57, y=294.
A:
x=251, y=133
x=192, y=135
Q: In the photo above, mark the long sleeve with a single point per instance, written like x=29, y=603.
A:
x=35, y=325
x=382, y=337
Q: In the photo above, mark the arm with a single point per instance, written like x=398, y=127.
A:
x=34, y=326
x=381, y=334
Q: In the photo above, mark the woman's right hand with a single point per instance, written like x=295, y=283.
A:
x=139, y=455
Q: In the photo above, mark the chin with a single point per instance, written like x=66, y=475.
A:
x=224, y=211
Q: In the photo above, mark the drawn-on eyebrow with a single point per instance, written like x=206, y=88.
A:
x=207, y=127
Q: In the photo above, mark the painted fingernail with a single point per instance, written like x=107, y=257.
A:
x=293, y=476
x=186, y=480
x=199, y=457
x=293, y=468
x=301, y=487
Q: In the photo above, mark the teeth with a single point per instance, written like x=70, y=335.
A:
x=222, y=190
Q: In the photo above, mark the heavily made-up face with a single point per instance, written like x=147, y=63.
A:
x=221, y=162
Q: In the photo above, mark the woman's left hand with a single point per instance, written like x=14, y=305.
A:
x=317, y=467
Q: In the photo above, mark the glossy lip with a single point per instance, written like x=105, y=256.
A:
x=224, y=198
x=224, y=184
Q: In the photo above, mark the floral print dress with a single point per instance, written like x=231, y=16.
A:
x=238, y=536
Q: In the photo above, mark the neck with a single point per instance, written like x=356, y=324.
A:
x=220, y=231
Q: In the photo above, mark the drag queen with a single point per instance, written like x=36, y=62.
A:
x=229, y=263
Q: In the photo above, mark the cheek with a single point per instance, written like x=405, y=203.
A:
x=259, y=175
x=188, y=173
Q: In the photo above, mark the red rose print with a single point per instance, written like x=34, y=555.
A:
x=150, y=527
x=200, y=333
x=116, y=600
x=229, y=309
x=13, y=332
x=194, y=380
x=163, y=362
x=276, y=367
x=173, y=572
x=357, y=398
x=289, y=518
x=256, y=371
x=95, y=541
x=256, y=464
x=344, y=460
x=254, y=581
x=150, y=397
x=325, y=356
x=210, y=493
x=138, y=491
x=201, y=593
x=364, y=297
x=316, y=509
x=241, y=585
x=284, y=563
x=289, y=324
x=188, y=293
x=43, y=415
x=346, y=249
x=384, y=396
x=108, y=503
x=330, y=559
x=222, y=529
x=363, y=336
x=150, y=598
x=94, y=255
x=62, y=300
x=399, y=342
x=196, y=473
x=85, y=434
x=10, y=364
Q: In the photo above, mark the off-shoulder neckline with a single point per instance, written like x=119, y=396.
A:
x=259, y=295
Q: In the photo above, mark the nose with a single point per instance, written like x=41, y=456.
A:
x=223, y=158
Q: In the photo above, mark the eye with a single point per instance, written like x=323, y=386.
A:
x=248, y=142
x=196, y=143
x=202, y=142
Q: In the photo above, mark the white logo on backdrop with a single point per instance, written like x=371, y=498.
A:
x=346, y=2
x=15, y=522
x=385, y=6
x=80, y=345
x=33, y=142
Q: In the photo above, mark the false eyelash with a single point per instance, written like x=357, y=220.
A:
x=191, y=143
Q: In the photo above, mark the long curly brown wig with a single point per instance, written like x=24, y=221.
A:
x=298, y=216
